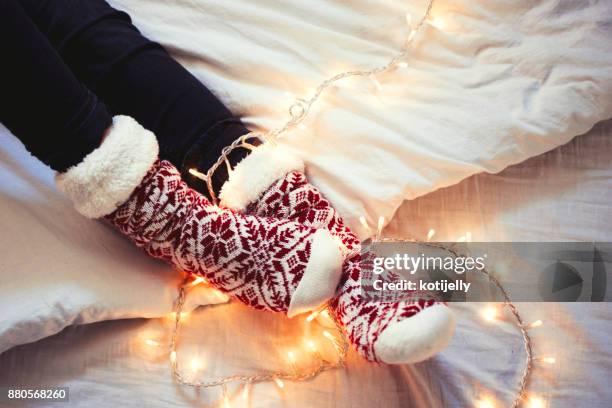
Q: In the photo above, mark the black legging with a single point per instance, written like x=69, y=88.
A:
x=69, y=65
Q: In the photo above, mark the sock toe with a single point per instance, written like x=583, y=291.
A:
x=416, y=338
x=321, y=276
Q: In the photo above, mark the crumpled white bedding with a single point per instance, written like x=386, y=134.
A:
x=489, y=84
x=500, y=82
x=565, y=194
x=60, y=268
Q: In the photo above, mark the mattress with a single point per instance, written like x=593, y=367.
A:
x=565, y=194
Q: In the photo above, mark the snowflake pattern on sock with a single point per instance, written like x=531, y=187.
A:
x=294, y=198
x=364, y=319
x=258, y=260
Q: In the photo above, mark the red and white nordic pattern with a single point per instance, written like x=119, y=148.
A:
x=260, y=261
x=294, y=198
x=365, y=318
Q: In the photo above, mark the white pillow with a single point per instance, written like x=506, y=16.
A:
x=58, y=268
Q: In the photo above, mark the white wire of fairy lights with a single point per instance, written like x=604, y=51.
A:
x=301, y=107
x=489, y=314
x=298, y=112
x=523, y=328
x=338, y=341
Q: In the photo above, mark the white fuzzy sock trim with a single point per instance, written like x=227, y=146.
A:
x=321, y=276
x=106, y=177
x=255, y=173
x=416, y=338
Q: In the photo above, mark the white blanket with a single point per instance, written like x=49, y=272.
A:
x=498, y=83
x=488, y=84
x=563, y=195
x=59, y=268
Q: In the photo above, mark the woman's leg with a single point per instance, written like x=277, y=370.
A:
x=267, y=263
x=56, y=117
x=137, y=77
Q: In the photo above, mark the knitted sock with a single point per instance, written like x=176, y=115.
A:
x=268, y=264
x=270, y=182
x=392, y=332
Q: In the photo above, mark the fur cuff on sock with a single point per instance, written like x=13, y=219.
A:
x=253, y=175
x=106, y=177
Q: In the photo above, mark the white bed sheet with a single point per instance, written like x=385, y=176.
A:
x=59, y=268
x=565, y=194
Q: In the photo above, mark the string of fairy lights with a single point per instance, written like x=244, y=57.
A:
x=300, y=108
x=320, y=364
x=298, y=111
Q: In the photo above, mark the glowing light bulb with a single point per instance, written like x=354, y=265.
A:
x=402, y=64
x=226, y=402
x=548, y=360
x=220, y=295
x=173, y=356
x=245, y=391
x=489, y=314
x=279, y=383
x=197, y=174
x=183, y=315
x=291, y=357
x=535, y=324
x=364, y=223
x=409, y=23
x=196, y=364
x=381, y=222
x=484, y=403
x=312, y=316
x=311, y=345
x=379, y=227
x=431, y=233
x=411, y=35
x=437, y=22
x=536, y=402
x=152, y=343
x=197, y=280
